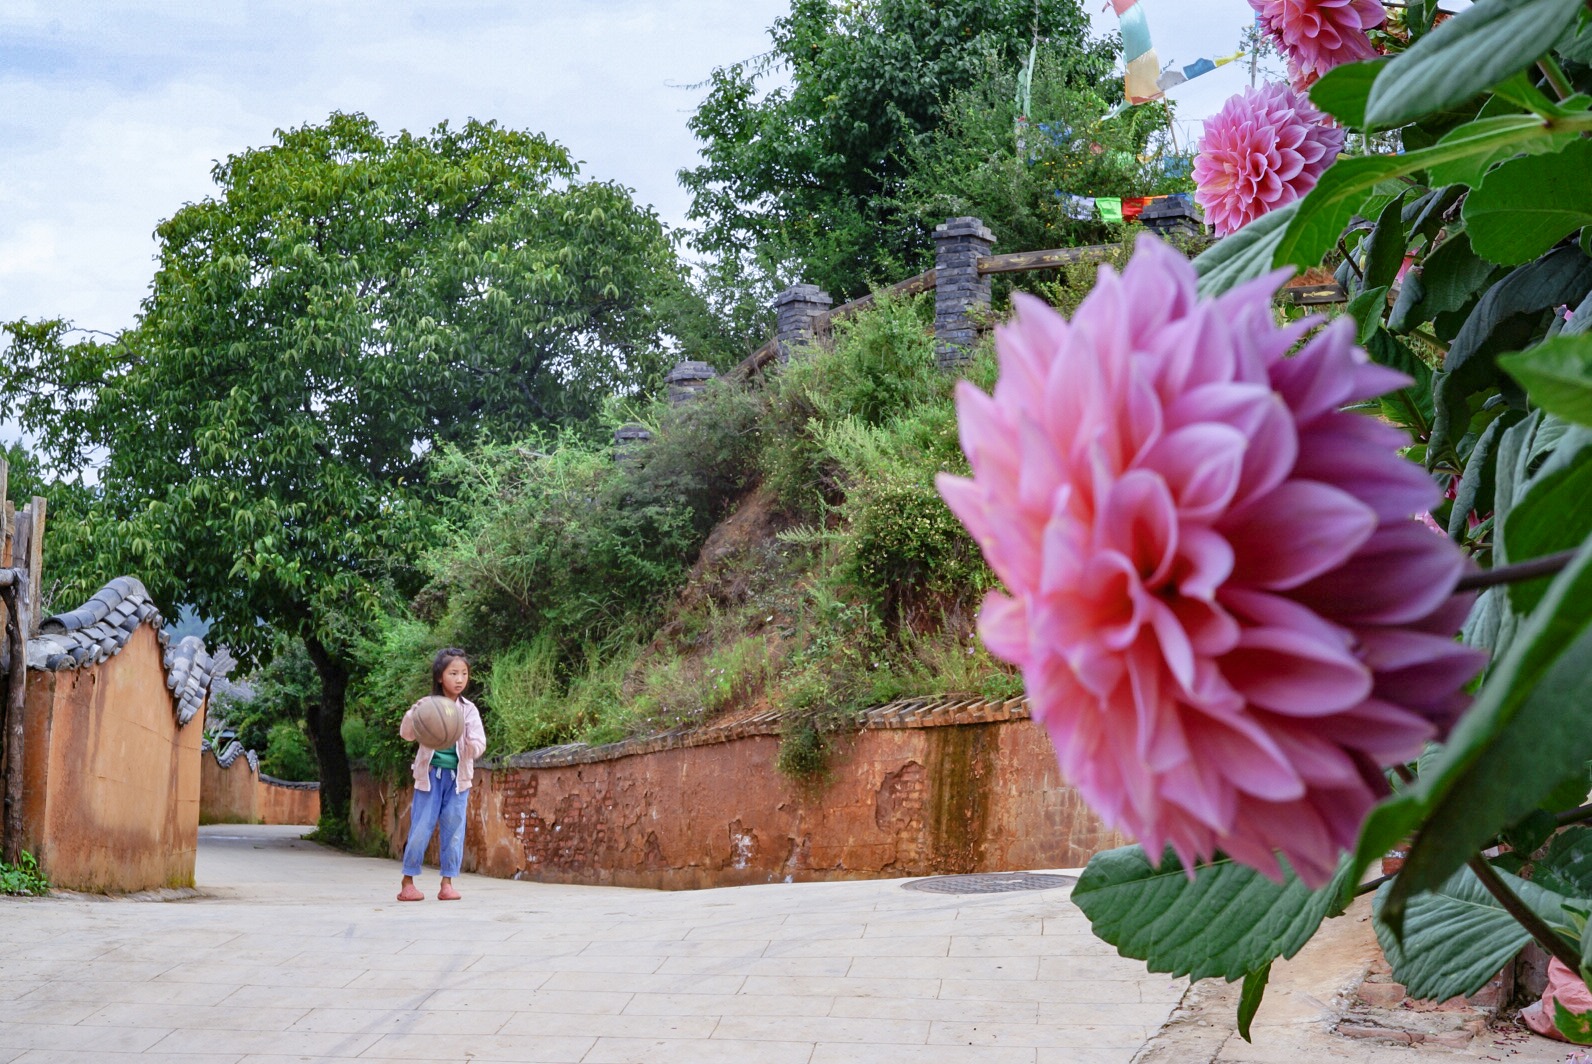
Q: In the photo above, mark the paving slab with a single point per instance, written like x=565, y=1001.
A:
x=288, y=951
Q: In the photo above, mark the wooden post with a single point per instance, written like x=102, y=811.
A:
x=16, y=594
x=35, y=564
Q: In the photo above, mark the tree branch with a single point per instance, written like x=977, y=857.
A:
x=1546, y=937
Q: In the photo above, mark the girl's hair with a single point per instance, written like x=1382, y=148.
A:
x=439, y=665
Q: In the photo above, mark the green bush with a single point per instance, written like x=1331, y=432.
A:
x=287, y=754
x=24, y=877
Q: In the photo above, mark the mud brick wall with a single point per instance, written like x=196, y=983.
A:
x=925, y=787
x=232, y=790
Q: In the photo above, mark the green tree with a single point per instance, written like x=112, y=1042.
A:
x=345, y=305
x=1014, y=171
x=803, y=182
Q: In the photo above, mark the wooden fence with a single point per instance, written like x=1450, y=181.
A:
x=967, y=240
x=21, y=562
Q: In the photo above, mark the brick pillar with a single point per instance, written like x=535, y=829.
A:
x=687, y=380
x=958, y=288
x=628, y=441
x=794, y=311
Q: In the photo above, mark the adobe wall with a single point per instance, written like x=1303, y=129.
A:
x=236, y=793
x=923, y=789
x=111, y=778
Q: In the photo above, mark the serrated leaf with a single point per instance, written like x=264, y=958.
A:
x=1475, y=50
x=1567, y=866
x=1160, y=916
x=1456, y=937
x=1557, y=375
x=1244, y=255
x=1534, y=709
x=1527, y=205
x=1342, y=91
x=1249, y=999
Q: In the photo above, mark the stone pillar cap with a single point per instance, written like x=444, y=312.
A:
x=803, y=293
x=691, y=371
x=963, y=226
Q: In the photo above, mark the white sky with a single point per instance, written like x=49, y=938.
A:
x=113, y=111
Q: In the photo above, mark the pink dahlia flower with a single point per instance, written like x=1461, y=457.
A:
x=1264, y=148
x=1224, y=612
x=1318, y=35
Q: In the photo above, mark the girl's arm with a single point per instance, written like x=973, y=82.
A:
x=406, y=727
x=474, y=734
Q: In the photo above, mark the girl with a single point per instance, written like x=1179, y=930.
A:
x=442, y=781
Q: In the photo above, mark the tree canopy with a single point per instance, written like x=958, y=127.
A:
x=803, y=182
x=345, y=304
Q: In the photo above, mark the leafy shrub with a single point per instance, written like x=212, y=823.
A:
x=287, y=754
x=24, y=877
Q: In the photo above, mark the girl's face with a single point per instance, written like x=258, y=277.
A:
x=455, y=678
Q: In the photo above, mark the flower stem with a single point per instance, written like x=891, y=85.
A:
x=1555, y=74
x=1546, y=565
x=1546, y=937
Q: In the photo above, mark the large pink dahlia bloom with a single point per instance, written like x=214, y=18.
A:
x=1223, y=610
x=1266, y=147
x=1318, y=35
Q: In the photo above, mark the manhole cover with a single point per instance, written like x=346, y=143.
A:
x=989, y=883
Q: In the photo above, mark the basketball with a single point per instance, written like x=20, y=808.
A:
x=437, y=721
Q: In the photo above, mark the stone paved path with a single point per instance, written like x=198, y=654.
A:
x=296, y=953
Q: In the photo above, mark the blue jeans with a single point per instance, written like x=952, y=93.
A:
x=441, y=806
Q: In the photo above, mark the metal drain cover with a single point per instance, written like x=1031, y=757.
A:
x=989, y=883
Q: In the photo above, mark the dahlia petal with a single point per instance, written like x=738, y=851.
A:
x=1351, y=451
x=1288, y=671
x=1003, y=626
x=1402, y=573
x=1296, y=533
x=1201, y=464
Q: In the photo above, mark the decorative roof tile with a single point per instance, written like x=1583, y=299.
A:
x=101, y=627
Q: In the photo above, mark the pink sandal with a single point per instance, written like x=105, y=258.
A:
x=447, y=893
x=410, y=893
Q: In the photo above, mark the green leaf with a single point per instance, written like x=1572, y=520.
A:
x=1529, y=729
x=1227, y=921
x=1508, y=318
x=1475, y=50
x=1244, y=255
x=1491, y=140
x=1343, y=90
x=1575, y=1026
x=1384, y=254
x=1327, y=208
x=1567, y=866
x=1366, y=310
x=1249, y=1000
x=1527, y=205
x=1526, y=836
x=1456, y=937
x=1550, y=515
x=1475, y=490
x=1557, y=375
x=1411, y=407
x=1451, y=274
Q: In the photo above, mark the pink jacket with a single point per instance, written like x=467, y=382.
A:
x=470, y=747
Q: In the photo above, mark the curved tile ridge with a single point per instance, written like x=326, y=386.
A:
x=101, y=627
x=928, y=712
x=292, y=785
x=227, y=756
x=189, y=669
x=95, y=630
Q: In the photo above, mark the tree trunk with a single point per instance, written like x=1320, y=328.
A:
x=16, y=631
x=325, y=725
